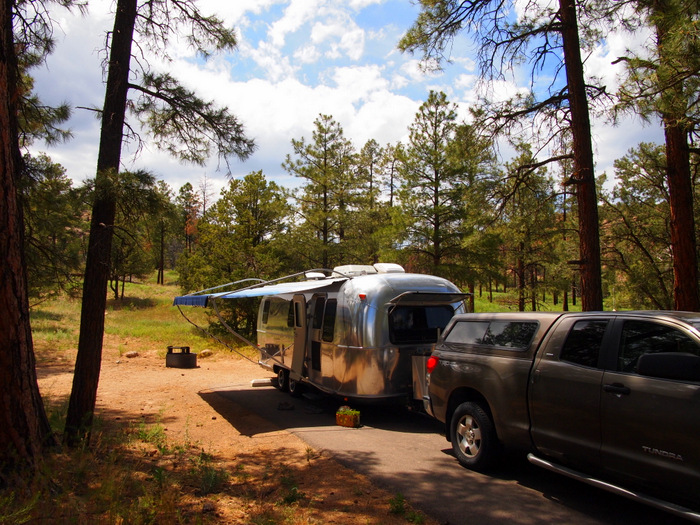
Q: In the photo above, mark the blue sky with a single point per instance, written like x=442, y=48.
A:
x=295, y=60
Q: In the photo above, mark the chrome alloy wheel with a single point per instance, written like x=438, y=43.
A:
x=469, y=436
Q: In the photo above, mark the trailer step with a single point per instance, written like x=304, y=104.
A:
x=257, y=383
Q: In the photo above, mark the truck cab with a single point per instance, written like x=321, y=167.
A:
x=611, y=398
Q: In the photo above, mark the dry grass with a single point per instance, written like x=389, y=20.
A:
x=151, y=462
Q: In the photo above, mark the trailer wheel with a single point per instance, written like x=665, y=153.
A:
x=473, y=437
x=295, y=387
x=283, y=379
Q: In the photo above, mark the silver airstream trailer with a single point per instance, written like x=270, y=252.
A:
x=361, y=332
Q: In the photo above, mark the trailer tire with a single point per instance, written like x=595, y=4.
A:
x=283, y=379
x=295, y=387
x=473, y=437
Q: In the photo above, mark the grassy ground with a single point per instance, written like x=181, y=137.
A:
x=145, y=314
x=508, y=302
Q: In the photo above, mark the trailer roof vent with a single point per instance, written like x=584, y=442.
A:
x=314, y=276
x=389, y=268
x=354, y=270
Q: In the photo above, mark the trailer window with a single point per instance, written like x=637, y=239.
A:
x=319, y=303
x=277, y=313
x=418, y=324
x=266, y=311
x=329, y=320
x=290, y=315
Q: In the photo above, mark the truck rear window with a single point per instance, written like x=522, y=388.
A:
x=418, y=324
x=509, y=334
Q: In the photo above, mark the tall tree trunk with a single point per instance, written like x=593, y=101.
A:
x=24, y=428
x=161, y=258
x=583, y=176
x=87, y=367
x=683, y=245
x=521, y=280
x=533, y=285
x=686, y=295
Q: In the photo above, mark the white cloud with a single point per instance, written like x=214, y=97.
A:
x=359, y=82
x=617, y=44
x=413, y=70
x=358, y=5
x=307, y=54
x=270, y=60
x=342, y=34
x=236, y=12
x=613, y=142
x=298, y=12
x=353, y=43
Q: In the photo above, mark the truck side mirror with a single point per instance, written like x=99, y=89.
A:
x=670, y=365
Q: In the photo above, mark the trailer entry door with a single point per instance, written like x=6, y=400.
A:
x=300, y=331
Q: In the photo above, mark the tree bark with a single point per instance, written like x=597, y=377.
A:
x=584, y=176
x=683, y=244
x=521, y=279
x=24, y=427
x=686, y=295
x=87, y=367
x=161, y=257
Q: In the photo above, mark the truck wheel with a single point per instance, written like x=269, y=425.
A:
x=283, y=379
x=473, y=437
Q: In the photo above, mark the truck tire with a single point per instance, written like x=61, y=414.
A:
x=473, y=437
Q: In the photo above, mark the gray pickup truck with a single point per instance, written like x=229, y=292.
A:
x=610, y=398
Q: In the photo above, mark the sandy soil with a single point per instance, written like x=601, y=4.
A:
x=141, y=388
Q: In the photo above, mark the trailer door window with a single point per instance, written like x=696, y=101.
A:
x=266, y=311
x=319, y=303
x=290, y=315
x=418, y=324
x=329, y=320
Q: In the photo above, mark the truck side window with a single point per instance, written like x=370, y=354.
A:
x=510, y=334
x=582, y=345
x=644, y=337
x=329, y=320
x=468, y=332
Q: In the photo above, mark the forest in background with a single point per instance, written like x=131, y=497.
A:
x=441, y=204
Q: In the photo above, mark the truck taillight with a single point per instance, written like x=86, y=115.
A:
x=431, y=364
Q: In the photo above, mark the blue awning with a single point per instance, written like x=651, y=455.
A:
x=286, y=290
